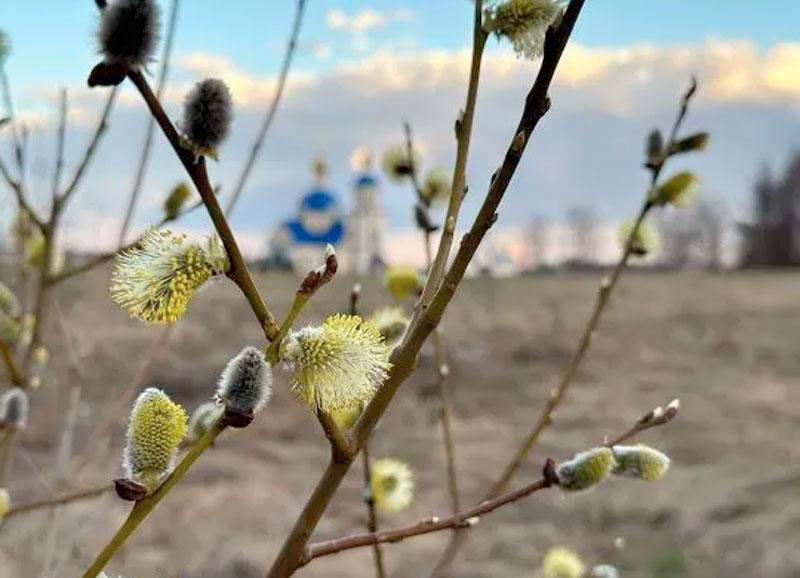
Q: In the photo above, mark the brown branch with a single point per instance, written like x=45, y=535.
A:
x=238, y=272
x=468, y=518
x=570, y=371
x=8, y=359
x=144, y=155
x=60, y=141
x=463, y=519
x=102, y=258
x=261, y=136
x=463, y=136
x=115, y=412
x=372, y=514
x=19, y=194
x=442, y=370
x=426, y=319
x=91, y=149
x=60, y=500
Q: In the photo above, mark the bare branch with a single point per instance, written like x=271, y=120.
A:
x=144, y=155
x=261, y=136
x=238, y=273
x=91, y=149
x=426, y=319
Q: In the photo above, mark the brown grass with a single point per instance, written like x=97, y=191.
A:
x=725, y=344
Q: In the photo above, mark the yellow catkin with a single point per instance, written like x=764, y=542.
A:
x=561, y=562
x=155, y=280
x=585, y=469
x=391, y=484
x=401, y=281
x=339, y=364
x=640, y=462
x=156, y=428
x=391, y=322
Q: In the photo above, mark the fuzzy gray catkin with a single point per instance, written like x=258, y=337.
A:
x=128, y=32
x=207, y=115
x=245, y=385
x=14, y=408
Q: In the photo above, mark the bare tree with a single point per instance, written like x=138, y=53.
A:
x=711, y=216
x=582, y=223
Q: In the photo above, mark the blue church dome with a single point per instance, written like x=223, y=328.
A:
x=366, y=180
x=301, y=235
x=318, y=200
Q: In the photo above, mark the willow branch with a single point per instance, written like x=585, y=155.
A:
x=463, y=136
x=97, y=260
x=60, y=500
x=372, y=514
x=570, y=371
x=144, y=155
x=142, y=508
x=60, y=141
x=463, y=519
x=91, y=149
x=5, y=88
x=470, y=517
x=603, y=297
x=11, y=367
x=442, y=369
x=261, y=136
x=426, y=319
x=115, y=412
x=238, y=272
x=19, y=194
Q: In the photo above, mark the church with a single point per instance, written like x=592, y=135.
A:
x=358, y=237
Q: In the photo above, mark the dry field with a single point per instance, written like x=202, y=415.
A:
x=726, y=344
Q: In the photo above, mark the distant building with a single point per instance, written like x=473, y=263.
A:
x=298, y=243
x=365, y=224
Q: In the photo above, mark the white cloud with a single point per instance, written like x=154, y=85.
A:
x=586, y=150
x=360, y=23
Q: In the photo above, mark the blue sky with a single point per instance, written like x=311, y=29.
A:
x=354, y=84
x=55, y=35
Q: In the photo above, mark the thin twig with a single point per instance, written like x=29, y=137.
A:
x=196, y=169
x=372, y=514
x=366, y=466
x=60, y=500
x=463, y=519
x=143, y=507
x=7, y=451
x=442, y=369
x=261, y=136
x=5, y=88
x=19, y=195
x=426, y=319
x=463, y=136
x=97, y=260
x=112, y=414
x=470, y=517
x=60, y=141
x=144, y=155
x=8, y=358
x=570, y=371
x=91, y=148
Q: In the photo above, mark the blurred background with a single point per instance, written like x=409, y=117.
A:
x=711, y=317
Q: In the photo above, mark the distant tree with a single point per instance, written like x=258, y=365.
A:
x=539, y=233
x=773, y=237
x=711, y=216
x=582, y=223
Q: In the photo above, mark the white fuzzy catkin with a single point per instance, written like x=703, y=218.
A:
x=245, y=385
x=128, y=32
x=14, y=408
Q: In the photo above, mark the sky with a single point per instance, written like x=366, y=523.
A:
x=363, y=67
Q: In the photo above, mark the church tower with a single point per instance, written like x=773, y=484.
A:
x=366, y=226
